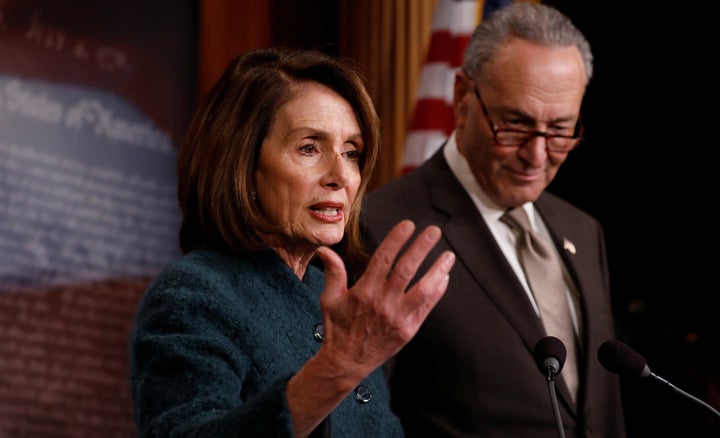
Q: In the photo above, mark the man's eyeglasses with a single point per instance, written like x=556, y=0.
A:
x=513, y=137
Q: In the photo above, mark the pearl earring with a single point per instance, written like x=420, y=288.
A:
x=253, y=195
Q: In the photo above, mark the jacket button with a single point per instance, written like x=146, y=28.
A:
x=363, y=394
x=319, y=332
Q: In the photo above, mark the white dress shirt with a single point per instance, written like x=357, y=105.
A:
x=504, y=235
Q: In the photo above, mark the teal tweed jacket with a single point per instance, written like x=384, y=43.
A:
x=214, y=342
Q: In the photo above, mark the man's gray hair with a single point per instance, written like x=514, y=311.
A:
x=536, y=23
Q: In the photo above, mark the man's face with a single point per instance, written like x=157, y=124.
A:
x=525, y=87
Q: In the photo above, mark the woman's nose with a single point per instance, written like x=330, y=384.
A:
x=338, y=175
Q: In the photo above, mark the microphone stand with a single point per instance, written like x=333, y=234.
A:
x=681, y=392
x=553, y=399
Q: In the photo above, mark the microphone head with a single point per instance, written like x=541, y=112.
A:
x=620, y=359
x=550, y=354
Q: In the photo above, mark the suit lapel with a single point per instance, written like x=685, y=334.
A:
x=475, y=246
x=466, y=232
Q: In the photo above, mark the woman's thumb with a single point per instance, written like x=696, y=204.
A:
x=335, y=273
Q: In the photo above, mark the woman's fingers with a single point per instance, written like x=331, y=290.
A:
x=395, y=272
x=423, y=296
x=407, y=265
x=384, y=256
x=378, y=316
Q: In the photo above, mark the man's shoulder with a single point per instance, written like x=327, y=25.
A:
x=410, y=184
x=410, y=188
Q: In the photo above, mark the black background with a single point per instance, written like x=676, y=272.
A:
x=646, y=172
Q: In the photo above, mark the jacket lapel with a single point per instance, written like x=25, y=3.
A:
x=475, y=246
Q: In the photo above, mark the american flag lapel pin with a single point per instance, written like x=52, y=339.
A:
x=569, y=246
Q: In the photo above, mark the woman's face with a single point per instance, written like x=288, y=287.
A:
x=309, y=169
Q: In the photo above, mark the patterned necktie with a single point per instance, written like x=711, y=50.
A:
x=545, y=276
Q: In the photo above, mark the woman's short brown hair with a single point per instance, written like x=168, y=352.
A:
x=220, y=154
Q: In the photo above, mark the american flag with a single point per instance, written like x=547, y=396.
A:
x=432, y=120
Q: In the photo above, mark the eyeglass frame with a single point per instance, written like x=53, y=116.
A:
x=577, y=134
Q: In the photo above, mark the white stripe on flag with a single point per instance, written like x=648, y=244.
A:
x=457, y=17
x=436, y=82
x=437, y=77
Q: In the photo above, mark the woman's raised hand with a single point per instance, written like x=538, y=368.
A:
x=368, y=323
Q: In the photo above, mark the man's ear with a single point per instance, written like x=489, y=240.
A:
x=462, y=89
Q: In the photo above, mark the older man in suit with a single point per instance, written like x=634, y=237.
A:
x=470, y=370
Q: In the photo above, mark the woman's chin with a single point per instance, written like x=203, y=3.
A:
x=328, y=238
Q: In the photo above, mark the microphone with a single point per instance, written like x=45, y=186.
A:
x=621, y=359
x=550, y=354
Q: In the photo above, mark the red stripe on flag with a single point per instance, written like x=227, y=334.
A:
x=445, y=47
x=434, y=115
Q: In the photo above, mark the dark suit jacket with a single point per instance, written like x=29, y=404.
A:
x=470, y=369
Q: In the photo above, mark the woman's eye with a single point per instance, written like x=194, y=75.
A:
x=353, y=155
x=309, y=149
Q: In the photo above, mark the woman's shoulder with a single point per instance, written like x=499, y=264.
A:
x=213, y=265
x=208, y=275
